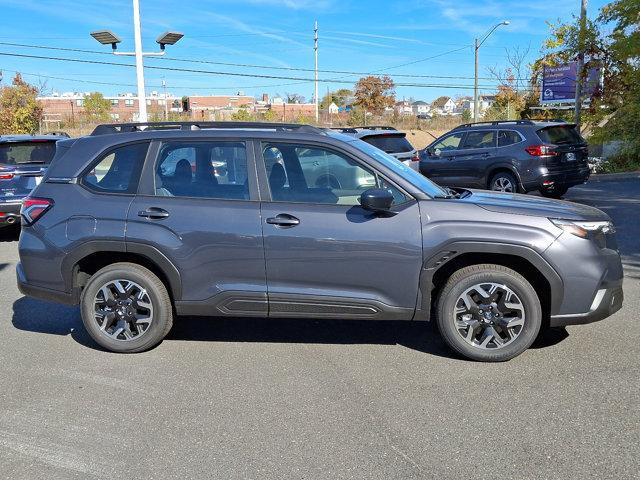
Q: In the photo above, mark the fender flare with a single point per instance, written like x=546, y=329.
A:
x=454, y=249
x=502, y=166
x=152, y=254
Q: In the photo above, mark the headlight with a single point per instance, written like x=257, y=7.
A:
x=583, y=229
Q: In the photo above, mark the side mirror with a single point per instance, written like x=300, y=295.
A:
x=376, y=200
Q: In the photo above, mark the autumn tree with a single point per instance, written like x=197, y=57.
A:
x=96, y=107
x=374, y=94
x=20, y=112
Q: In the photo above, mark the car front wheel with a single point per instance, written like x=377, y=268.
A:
x=126, y=308
x=488, y=313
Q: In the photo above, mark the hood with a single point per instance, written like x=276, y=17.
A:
x=534, y=206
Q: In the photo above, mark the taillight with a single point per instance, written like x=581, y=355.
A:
x=6, y=176
x=540, y=151
x=415, y=158
x=33, y=208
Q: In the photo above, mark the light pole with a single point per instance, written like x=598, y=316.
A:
x=315, y=50
x=108, y=38
x=478, y=44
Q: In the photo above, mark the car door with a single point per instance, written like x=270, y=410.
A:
x=199, y=208
x=438, y=161
x=475, y=152
x=325, y=256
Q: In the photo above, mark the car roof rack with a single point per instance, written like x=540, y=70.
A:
x=58, y=133
x=107, y=129
x=376, y=127
x=496, y=122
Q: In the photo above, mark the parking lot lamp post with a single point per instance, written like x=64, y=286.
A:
x=108, y=38
x=477, y=45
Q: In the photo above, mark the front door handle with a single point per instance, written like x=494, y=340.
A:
x=154, y=213
x=283, y=220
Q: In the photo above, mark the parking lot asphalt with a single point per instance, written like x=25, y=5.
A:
x=276, y=399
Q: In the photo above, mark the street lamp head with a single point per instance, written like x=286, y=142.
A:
x=106, y=37
x=506, y=22
x=169, y=38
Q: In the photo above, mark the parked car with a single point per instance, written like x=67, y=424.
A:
x=387, y=139
x=509, y=156
x=133, y=225
x=23, y=161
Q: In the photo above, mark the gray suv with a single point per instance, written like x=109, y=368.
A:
x=509, y=156
x=139, y=224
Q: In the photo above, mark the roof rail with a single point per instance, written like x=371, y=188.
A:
x=345, y=129
x=376, y=127
x=112, y=128
x=497, y=122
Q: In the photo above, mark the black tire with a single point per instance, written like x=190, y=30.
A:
x=501, y=180
x=466, y=278
x=557, y=192
x=162, y=311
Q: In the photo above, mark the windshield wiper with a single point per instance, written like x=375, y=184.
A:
x=451, y=193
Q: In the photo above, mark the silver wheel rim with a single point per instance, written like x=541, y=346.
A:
x=503, y=184
x=123, y=310
x=489, y=315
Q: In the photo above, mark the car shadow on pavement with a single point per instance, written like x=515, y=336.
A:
x=9, y=234
x=37, y=316
x=53, y=319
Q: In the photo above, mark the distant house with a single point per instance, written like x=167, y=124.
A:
x=443, y=106
x=420, y=108
x=403, y=108
x=333, y=108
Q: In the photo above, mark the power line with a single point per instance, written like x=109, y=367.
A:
x=220, y=73
x=267, y=67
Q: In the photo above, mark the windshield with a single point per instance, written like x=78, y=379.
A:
x=420, y=181
x=17, y=153
x=390, y=143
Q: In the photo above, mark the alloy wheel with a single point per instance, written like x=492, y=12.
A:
x=503, y=184
x=489, y=315
x=123, y=310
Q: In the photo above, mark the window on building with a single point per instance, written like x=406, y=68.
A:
x=128, y=102
x=80, y=102
x=115, y=102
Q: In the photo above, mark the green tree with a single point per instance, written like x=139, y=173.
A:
x=270, y=116
x=339, y=97
x=374, y=94
x=20, y=112
x=96, y=107
x=466, y=115
x=242, y=115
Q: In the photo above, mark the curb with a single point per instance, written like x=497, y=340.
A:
x=608, y=177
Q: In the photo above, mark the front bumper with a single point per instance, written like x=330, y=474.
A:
x=606, y=302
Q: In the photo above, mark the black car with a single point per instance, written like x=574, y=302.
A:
x=23, y=161
x=509, y=156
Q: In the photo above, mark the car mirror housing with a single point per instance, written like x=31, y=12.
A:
x=376, y=200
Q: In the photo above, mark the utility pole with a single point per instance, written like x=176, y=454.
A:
x=475, y=84
x=580, y=66
x=142, y=96
x=315, y=50
x=166, y=101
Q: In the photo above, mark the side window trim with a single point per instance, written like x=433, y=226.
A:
x=264, y=176
x=99, y=157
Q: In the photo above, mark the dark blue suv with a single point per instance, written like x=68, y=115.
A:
x=140, y=223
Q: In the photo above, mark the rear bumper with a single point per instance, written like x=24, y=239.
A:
x=10, y=213
x=606, y=302
x=559, y=179
x=40, y=292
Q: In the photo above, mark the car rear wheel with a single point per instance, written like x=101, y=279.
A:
x=504, y=182
x=488, y=313
x=126, y=308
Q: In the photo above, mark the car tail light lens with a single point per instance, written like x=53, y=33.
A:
x=415, y=158
x=540, y=151
x=34, y=208
x=6, y=176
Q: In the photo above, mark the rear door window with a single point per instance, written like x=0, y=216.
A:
x=560, y=135
x=508, y=137
x=34, y=152
x=480, y=139
x=390, y=143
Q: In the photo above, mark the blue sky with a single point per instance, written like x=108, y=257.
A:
x=355, y=36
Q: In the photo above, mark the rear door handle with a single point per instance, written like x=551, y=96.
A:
x=154, y=213
x=283, y=220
